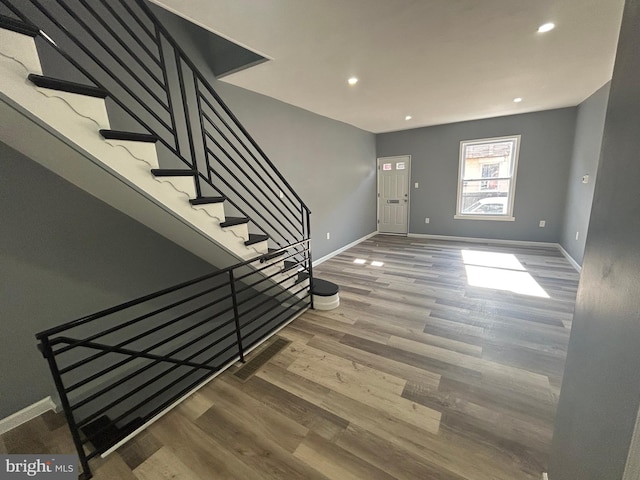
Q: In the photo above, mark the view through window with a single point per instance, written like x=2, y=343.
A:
x=487, y=178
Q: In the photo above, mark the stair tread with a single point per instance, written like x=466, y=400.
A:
x=172, y=172
x=18, y=26
x=206, y=200
x=123, y=135
x=231, y=221
x=273, y=253
x=66, y=86
x=321, y=288
x=290, y=265
x=256, y=238
x=324, y=288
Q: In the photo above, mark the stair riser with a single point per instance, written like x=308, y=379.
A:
x=141, y=150
x=214, y=210
x=241, y=231
x=184, y=185
x=21, y=48
x=94, y=108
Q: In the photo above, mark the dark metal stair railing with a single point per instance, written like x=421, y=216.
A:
x=121, y=46
x=154, y=350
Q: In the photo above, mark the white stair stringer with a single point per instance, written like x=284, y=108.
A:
x=60, y=130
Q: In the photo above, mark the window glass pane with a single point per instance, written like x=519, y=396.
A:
x=400, y=166
x=488, y=160
x=487, y=176
x=478, y=201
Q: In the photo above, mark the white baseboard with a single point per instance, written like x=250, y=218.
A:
x=26, y=414
x=523, y=243
x=570, y=259
x=340, y=250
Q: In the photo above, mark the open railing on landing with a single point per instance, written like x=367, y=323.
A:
x=120, y=46
x=120, y=368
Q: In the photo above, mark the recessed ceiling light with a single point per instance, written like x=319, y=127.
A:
x=517, y=99
x=547, y=27
x=352, y=81
x=360, y=261
x=377, y=264
x=408, y=117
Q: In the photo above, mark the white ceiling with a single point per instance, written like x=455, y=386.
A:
x=440, y=61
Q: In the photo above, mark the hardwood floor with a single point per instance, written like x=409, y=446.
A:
x=417, y=375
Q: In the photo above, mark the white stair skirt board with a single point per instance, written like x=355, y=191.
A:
x=26, y=414
x=326, y=303
x=60, y=131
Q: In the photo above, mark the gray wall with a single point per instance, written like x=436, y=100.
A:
x=65, y=254
x=584, y=161
x=601, y=387
x=543, y=168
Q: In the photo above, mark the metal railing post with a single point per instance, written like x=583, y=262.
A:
x=47, y=352
x=187, y=119
x=309, y=259
x=236, y=315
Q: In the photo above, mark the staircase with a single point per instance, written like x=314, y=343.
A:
x=189, y=170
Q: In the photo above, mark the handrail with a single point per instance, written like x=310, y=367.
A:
x=131, y=303
x=200, y=335
x=220, y=101
x=256, y=200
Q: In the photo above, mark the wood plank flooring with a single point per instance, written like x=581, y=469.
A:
x=417, y=375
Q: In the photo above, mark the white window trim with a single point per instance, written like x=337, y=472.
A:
x=508, y=217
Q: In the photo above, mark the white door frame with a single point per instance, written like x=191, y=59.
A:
x=378, y=192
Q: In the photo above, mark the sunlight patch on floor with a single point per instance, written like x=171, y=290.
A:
x=500, y=271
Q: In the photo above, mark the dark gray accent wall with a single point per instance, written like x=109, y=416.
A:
x=601, y=387
x=584, y=161
x=543, y=168
x=330, y=164
x=64, y=254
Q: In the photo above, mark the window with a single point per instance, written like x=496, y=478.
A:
x=487, y=178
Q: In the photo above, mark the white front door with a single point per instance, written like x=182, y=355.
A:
x=393, y=194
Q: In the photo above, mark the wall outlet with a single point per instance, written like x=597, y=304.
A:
x=543, y=223
x=585, y=179
x=328, y=236
x=417, y=185
x=427, y=220
x=577, y=235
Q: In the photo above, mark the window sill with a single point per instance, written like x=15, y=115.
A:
x=495, y=218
